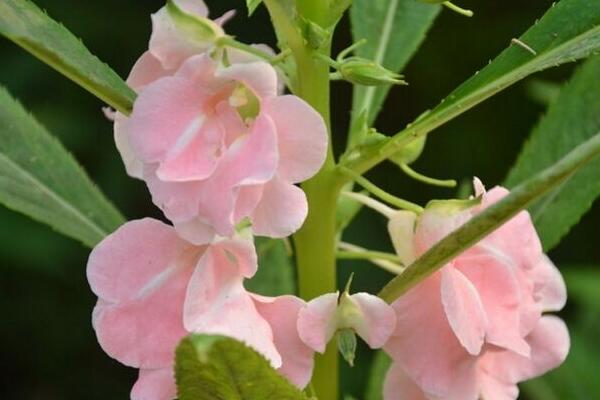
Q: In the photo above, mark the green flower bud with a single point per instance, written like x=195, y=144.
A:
x=366, y=72
x=197, y=28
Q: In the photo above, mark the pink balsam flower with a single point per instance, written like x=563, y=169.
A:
x=475, y=328
x=217, y=145
x=367, y=315
x=154, y=288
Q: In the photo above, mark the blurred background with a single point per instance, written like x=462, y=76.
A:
x=47, y=346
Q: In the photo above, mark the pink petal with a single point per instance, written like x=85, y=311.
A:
x=302, y=137
x=166, y=112
x=126, y=261
x=247, y=200
x=378, y=319
x=495, y=389
x=426, y=347
x=398, y=386
x=195, y=231
x=139, y=274
x=437, y=221
x=217, y=303
x=281, y=210
x=155, y=384
x=464, y=309
x=146, y=70
x=178, y=200
x=316, y=321
x=195, y=154
x=260, y=77
x=401, y=227
x=550, y=345
x=172, y=45
x=133, y=165
x=223, y=19
x=550, y=289
x=495, y=280
x=239, y=166
x=282, y=314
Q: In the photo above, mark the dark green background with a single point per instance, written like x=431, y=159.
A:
x=47, y=347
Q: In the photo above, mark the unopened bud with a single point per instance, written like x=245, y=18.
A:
x=366, y=72
x=347, y=345
x=198, y=28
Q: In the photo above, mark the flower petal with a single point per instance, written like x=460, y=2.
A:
x=258, y=76
x=378, y=319
x=426, y=347
x=401, y=227
x=155, y=384
x=281, y=210
x=302, y=137
x=282, y=314
x=146, y=70
x=169, y=43
x=550, y=289
x=398, y=386
x=316, y=321
x=217, y=303
x=240, y=166
x=495, y=279
x=464, y=309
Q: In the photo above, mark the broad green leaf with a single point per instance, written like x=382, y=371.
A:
x=569, y=31
x=252, y=5
x=394, y=30
x=492, y=218
x=220, y=368
x=39, y=178
x=275, y=275
x=573, y=118
x=379, y=367
x=583, y=284
x=25, y=24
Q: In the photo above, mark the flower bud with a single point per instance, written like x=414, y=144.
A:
x=366, y=72
x=198, y=28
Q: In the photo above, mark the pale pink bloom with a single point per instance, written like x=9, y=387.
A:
x=369, y=316
x=218, y=144
x=154, y=288
x=475, y=328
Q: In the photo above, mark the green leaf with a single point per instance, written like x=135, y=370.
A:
x=275, y=275
x=571, y=119
x=252, y=5
x=379, y=367
x=25, y=24
x=492, y=218
x=394, y=30
x=39, y=178
x=569, y=31
x=220, y=368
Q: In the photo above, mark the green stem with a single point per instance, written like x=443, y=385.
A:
x=382, y=194
x=450, y=183
x=367, y=255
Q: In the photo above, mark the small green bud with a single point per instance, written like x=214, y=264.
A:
x=347, y=345
x=366, y=72
x=197, y=28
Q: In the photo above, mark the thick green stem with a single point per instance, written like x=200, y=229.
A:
x=315, y=241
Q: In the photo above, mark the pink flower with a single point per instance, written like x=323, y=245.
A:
x=154, y=288
x=369, y=316
x=475, y=328
x=217, y=144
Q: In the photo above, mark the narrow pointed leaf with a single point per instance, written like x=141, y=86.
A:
x=216, y=367
x=570, y=30
x=39, y=178
x=252, y=5
x=394, y=30
x=572, y=118
x=25, y=24
x=492, y=218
